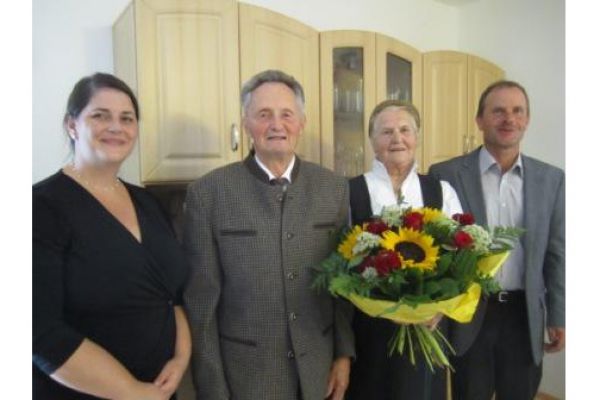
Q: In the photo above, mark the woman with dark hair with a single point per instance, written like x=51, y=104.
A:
x=108, y=273
x=394, y=132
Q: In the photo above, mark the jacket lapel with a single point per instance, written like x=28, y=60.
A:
x=470, y=181
x=531, y=180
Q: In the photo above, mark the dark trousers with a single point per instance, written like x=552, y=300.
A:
x=500, y=359
x=377, y=376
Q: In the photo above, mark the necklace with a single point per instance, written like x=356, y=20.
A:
x=106, y=188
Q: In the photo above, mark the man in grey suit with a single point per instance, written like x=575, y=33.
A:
x=253, y=231
x=501, y=349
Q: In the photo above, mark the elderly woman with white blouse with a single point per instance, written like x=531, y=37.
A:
x=394, y=132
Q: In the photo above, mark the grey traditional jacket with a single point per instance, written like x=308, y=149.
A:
x=258, y=328
x=543, y=242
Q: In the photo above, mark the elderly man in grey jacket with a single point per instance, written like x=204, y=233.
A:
x=501, y=349
x=253, y=231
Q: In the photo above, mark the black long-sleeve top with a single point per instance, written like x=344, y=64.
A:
x=93, y=279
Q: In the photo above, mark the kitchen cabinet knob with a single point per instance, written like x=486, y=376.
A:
x=235, y=137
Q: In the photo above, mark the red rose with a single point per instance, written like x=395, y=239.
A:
x=385, y=262
x=377, y=226
x=464, y=219
x=462, y=240
x=413, y=220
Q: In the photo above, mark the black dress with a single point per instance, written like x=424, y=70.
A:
x=92, y=279
x=375, y=375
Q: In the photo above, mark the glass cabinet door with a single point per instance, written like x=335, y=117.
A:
x=348, y=110
x=398, y=78
x=347, y=97
x=359, y=70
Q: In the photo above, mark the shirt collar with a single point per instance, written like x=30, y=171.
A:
x=487, y=161
x=287, y=174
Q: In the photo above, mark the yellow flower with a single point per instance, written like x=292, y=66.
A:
x=431, y=214
x=345, y=248
x=416, y=249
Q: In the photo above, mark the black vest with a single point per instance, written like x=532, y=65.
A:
x=360, y=202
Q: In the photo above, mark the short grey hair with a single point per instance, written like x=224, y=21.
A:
x=401, y=104
x=271, y=75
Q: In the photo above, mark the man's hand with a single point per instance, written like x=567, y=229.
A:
x=339, y=378
x=557, y=339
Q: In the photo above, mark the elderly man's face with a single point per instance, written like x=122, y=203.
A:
x=274, y=121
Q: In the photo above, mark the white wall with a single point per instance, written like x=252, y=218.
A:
x=424, y=24
x=526, y=38
x=72, y=38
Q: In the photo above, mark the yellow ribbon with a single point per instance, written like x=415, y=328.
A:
x=459, y=308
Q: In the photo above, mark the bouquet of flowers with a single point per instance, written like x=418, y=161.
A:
x=411, y=265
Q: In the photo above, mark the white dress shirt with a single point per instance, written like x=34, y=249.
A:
x=381, y=191
x=503, y=197
x=287, y=174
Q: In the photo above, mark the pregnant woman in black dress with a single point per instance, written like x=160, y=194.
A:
x=107, y=270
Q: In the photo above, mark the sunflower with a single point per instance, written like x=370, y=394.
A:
x=431, y=214
x=346, y=246
x=416, y=249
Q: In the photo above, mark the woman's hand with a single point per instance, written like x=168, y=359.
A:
x=433, y=322
x=170, y=376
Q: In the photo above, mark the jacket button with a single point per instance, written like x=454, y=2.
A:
x=290, y=354
x=289, y=235
x=291, y=275
x=292, y=316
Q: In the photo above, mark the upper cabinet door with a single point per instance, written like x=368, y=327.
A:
x=186, y=70
x=399, y=74
x=269, y=40
x=482, y=73
x=359, y=70
x=445, y=123
x=399, y=69
x=348, y=87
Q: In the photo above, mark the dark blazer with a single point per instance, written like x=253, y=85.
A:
x=543, y=242
x=258, y=328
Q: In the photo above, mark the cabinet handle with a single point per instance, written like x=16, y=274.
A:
x=471, y=143
x=235, y=137
x=465, y=144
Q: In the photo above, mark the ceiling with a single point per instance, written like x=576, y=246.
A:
x=456, y=3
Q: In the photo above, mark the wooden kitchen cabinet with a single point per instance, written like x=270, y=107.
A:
x=186, y=61
x=482, y=73
x=358, y=70
x=452, y=84
x=269, y=40
x=181, y=58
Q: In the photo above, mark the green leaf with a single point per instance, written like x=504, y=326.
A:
x=449, y=288
x=356, y=261
x=432, y=288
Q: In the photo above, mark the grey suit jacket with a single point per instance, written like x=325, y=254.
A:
x=543, y=242
x=258, y=328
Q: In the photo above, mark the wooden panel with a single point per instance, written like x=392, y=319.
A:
x=269, y=40
x=188, y=86
x=482, y=73
x=444, y=106
x=329, y=41
x=125, y=67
